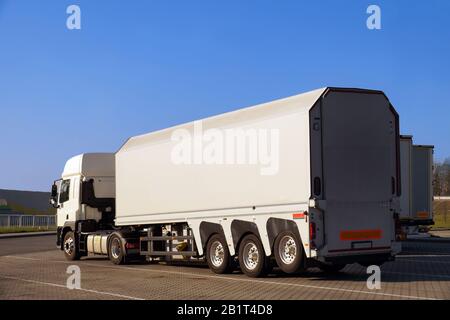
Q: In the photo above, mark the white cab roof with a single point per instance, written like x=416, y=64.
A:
x=90, y=165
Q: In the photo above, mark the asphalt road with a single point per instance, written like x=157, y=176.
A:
x=32, y=268
x=27, y=244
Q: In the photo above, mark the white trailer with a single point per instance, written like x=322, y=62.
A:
x=416, y=201
x=406, y=147
x=310, y=180
x=422, y=188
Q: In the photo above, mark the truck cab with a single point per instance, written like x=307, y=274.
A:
x=84, y=197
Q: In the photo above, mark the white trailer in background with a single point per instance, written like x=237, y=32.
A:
x=331, y=197
x=406, y=147
x=416, y=201
x=422, y=188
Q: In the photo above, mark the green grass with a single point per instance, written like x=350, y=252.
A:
x=25, y=229
x=441, y=209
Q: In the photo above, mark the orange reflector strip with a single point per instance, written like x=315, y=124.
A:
x=361, y=235
x=300, y=215
x=422, y=214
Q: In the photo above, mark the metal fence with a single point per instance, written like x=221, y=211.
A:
x=12, y=221
x=441, y=197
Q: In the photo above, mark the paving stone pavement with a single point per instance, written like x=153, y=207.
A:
x=36, y=270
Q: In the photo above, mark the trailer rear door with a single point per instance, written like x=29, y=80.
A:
x=360, y=162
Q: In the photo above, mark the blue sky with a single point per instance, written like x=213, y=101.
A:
x=137, y=66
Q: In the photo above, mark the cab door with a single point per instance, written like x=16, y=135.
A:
x=68, y=201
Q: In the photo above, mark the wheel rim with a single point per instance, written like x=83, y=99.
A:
x=69, y=245
x=217, y=253
x=115, y=248
x=287, y=250
x=251, y=256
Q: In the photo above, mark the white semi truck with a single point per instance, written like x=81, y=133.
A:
x=416, y=201
x=329, y=195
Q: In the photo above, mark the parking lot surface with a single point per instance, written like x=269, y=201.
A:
x=32, y=268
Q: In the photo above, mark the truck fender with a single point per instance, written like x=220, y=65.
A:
x=124, y=236
x=207, y=229
x=240, y=228
x=275, y=226
x=68, y=226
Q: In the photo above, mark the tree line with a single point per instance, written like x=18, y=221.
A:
x=441, y=178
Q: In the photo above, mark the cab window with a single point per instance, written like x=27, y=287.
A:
x=65, y=189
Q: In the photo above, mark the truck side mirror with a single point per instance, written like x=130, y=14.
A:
x=54, y=196
x=54, y=204
x=54, y=191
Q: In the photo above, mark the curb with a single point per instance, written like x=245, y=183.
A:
x=26, y=234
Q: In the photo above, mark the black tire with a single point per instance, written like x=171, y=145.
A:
x=332, y=268
x=70, y=246
x=116, y=250
x=291, y=261
x=256, y=266
x=218, y=255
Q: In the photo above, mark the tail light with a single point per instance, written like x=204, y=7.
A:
x=312, y=231
x=312, y=235
x=398, y=227
x=132, y=245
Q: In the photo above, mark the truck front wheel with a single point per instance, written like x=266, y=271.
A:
x=70, y=246
x=218, y=256
x=288, y=251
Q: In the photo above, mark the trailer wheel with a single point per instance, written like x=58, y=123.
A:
x=332, y=268
x=70, y=246
x=288, y=251
x=218, y=256
x=116, y=249
x=252, y=258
